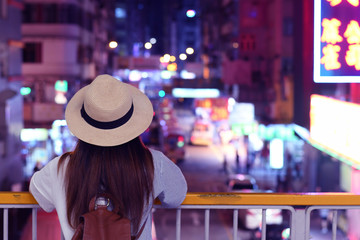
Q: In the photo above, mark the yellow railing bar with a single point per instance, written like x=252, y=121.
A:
x=275, y=199
x=220, y=198
x=17, y=198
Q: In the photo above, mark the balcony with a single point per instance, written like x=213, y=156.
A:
x=299, y=206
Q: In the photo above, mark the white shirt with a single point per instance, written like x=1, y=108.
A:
x=47, y=187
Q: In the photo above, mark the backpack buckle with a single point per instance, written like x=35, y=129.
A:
x=102, y=201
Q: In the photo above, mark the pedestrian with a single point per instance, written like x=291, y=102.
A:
x=107, y=117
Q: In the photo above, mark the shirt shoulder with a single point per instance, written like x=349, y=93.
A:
x=44, y=181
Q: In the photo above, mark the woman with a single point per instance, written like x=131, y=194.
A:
x=107, y=117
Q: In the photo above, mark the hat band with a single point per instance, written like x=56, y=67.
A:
x=107, y=125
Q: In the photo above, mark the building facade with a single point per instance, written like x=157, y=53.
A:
x=10, y=83
x=64, y=42
x=249, y=45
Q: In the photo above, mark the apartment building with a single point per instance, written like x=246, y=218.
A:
x=65, y=43
x=10, y=83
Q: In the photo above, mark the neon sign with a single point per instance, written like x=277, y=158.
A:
x=334, y=127
x=337, y=41
x=333, y=3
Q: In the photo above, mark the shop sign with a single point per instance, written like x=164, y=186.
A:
x=47, y=112
x=336, y=41
x=242, y=113
x=334, y=126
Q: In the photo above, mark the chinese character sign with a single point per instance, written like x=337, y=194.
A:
x=337, y=41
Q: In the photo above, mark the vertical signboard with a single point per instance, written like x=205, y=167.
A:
x=336, y=41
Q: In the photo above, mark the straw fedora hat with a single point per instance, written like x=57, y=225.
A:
x=108, y=112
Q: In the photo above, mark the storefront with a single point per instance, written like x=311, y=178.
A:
x=40, y=145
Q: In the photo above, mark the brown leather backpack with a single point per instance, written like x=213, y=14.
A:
x=101, y=224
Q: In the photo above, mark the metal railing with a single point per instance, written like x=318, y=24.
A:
x=300, y=206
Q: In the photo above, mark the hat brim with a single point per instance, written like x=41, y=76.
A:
x=136, y=125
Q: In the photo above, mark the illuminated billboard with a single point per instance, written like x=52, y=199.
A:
x=336, y=41
x=334, y=127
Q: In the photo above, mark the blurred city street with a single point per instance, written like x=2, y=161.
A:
x=264, y=88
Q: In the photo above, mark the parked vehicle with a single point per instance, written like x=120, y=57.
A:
x=202, y=134
x=241, y=183
x=251, y=219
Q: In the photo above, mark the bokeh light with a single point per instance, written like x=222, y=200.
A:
x=113, y=44
x=148, y=45
x=190, y=13
x=189, y=50
x=167, y=57
x=182, y=56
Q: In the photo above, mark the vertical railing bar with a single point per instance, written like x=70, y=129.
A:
x=334, y=224
x=263, y=224
x=34, y=223
x=300, y=223
x=207, y=224
x=178, y=223
x=307, y=222
x=235, y=223
x=292, y=223
x=6, y=224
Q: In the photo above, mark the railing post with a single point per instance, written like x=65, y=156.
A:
x=6, y=224
x=34, y=223
x=298, y=231
x=263, y=224
x=178, y=223
x=334, y=224
x=207, y=224
x=235, y=223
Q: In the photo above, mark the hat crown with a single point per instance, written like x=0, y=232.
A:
x=107, y=99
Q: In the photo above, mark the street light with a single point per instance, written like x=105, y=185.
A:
x=189, y=50
x=113, y=44
x=183, y=56
x=148, y=45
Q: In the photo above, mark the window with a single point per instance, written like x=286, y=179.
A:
x=38, y=14
x=28, y=13
x=3, y=8
x=288, y=26
x=3, y=73
x=287, y=65
x=33, y=13
x=50, y=13
x=32, y=53
x=247, y=42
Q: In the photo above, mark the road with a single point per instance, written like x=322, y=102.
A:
x=204, y=172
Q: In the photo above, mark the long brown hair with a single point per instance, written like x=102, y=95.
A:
x=125, y=171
